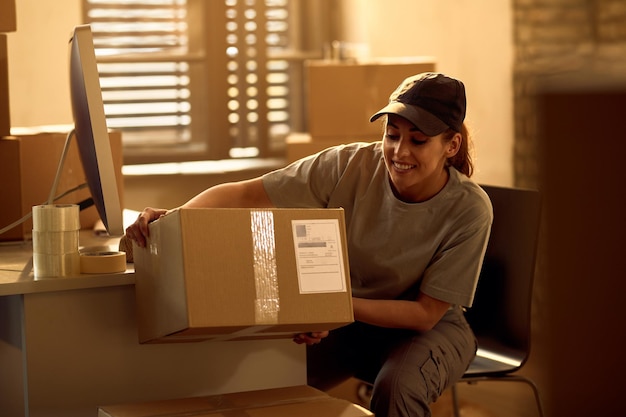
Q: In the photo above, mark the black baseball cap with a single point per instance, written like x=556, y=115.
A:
x=431, y=101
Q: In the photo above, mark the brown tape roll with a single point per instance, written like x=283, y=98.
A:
x=102, y=262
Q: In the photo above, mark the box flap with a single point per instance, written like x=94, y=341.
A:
x=301, y=401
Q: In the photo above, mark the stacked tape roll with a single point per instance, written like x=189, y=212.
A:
x=55, y=240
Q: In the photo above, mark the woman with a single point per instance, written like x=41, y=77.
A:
x=417, y=232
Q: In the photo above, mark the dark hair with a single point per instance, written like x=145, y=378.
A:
x=462, y=161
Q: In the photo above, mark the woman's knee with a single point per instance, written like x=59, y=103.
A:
x=398, y=393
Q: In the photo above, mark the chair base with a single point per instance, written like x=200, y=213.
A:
x=499, y=378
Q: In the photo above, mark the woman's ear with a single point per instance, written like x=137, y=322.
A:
x=454, y=145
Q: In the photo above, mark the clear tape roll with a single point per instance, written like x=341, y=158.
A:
x=55, y=240
x=102, y=262
x=54, y=265
x=56, y=217
x=55, y=243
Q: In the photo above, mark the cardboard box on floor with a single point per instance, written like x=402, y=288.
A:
x=300, y=401
x=235, y=274
x=342, y=96
x=28, y=165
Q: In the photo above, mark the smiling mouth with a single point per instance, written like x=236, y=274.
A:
x=402, y=167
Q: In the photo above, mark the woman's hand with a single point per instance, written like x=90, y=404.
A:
x=311, y=338
x=139, y=230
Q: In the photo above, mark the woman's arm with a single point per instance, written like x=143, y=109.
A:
x=244, y=194
x=420, y=315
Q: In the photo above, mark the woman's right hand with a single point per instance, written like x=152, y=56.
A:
x=311, y=338
x=139, y=230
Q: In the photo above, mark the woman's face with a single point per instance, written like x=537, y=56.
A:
x=416, y=163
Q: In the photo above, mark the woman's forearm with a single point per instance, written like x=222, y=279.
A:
x=244, y=194
x=420, y=315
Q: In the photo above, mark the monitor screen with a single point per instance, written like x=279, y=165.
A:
x=91, y=131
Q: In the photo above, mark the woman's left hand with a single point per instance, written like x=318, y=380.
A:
x=311, y=338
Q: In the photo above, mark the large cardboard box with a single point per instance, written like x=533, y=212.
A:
x=28, y=165
x=234, y=274
x=342, y=96
x=8, y=21
x=300, y=401
x=301, y=145
x=5, y=114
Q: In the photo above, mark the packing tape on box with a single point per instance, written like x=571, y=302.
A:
x=56, y=217
x=95, y=261
x=267, y=302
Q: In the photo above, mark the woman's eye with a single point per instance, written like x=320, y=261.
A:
x=418, y=142
x=392, y=137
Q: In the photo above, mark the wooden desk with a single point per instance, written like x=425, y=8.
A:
x=68, y=345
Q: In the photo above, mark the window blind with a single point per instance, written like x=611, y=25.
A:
x=200, y=79
x=142, y=51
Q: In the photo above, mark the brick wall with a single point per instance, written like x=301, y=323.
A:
x=561, y=44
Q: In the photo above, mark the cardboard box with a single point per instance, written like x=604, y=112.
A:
x=8, y=22
x=300, y=145
x=235, y=274
x=301, y=401
x=342, y=96
x=28, y=165
x=5, y=114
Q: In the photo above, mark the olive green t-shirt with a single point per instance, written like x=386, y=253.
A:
x=395, y=249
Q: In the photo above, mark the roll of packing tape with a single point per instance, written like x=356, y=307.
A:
x=102, y=262
x=55, y=240
x=56, y=265
x=56, y=217
x=55, y=243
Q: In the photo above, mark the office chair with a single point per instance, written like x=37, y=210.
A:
x=500, y=316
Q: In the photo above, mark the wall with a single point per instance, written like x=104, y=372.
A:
x=471, y=40
x=38, y=62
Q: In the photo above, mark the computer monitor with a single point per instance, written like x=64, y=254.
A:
x=91, y=131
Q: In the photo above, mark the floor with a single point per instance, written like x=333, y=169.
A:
x=485, y=399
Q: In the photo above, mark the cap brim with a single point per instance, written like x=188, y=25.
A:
x=423, y=120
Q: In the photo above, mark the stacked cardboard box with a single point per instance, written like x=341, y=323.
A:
x=301, y=401
x=235, y=274
x=341, y=97
x=7, y=17
x=7, y=24
x=28, y=165
x=5, y=120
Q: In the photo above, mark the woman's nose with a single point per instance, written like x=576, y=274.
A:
x=402, y=147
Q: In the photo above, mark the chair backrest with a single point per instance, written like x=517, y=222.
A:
x=500, y=316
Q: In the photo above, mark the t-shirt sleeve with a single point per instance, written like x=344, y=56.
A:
x=308, y=182
x=452, y=274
